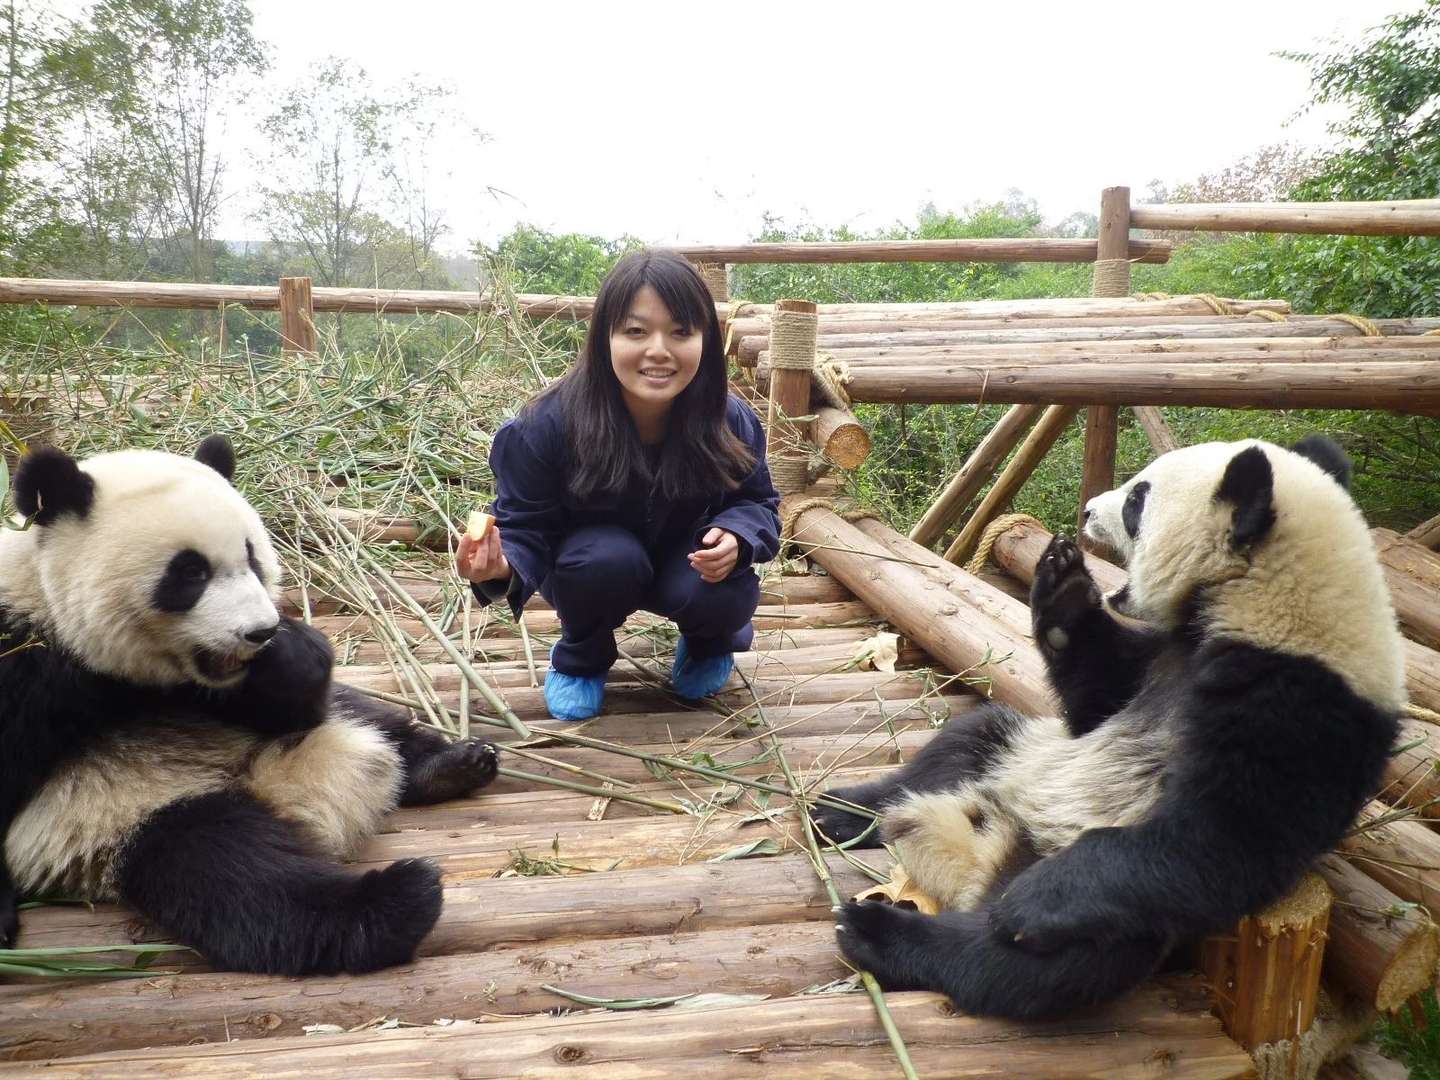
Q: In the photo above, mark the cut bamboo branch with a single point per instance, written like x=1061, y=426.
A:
x=921, y=607
x=1381, y=949
x=1032, y=451
x=1341, y=218
x=1266, y=974
x=960, y=492
x=798, y=1038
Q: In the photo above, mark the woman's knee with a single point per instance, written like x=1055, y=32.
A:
x=716, y=607
x=600, y=560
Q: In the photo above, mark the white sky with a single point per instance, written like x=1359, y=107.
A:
x=683, y=122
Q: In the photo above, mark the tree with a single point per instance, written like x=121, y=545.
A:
x=183, y=62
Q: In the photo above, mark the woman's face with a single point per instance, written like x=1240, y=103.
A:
x=654, y=357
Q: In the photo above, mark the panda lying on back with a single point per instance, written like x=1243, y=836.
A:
x=167, y=740
x=1202, y=762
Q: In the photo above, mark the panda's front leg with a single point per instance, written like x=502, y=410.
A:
x=287, y=686
x=1095, y=664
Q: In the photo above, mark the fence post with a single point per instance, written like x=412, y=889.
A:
x=793, y=325
x=716, y=278
x=1112, y=278
x=297, y=316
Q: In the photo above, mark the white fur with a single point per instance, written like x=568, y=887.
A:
x=87, y=583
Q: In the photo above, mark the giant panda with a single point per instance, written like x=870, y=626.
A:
x=168, y=741
x=1207, y=752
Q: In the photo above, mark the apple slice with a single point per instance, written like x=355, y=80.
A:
x=478, y=525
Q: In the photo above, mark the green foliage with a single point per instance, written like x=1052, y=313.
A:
x=566, y=264
x=1416, y=1045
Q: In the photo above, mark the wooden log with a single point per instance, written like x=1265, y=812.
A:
x=1412, y=773
x=1422, y=675
x=1266, y=975
x=769, y=617
x=1402, y=387
x=840, y=436
x=988, y=250
x=1381, y=950
x=1032, y=451
x=55, y=1021
x=1402, y=855
x=1097, y=473
x=955, y=499
x=297, y=316
x=1341, y=219
x=799, y=1038
x=1191, y=349
x=790, y=397
x=516, y=911
x=1413, y=574
x=183, y=295
x=716, y=278
x=1152, y=420
x=922, y=607
x=1427, y=533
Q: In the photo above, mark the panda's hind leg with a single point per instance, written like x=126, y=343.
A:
x=230, y=879
x=436, y=769
x=963, y=749
x=953, y=844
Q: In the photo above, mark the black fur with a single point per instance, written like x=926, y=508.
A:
x=1325, y=452
x=225, y=876
x=1134, y=507
x=1103, y=662
x=49, y=482
x=216, y=452
x=1249, y=485
x=183, y=583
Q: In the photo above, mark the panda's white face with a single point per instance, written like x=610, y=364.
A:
x=167, y=578
x=1171, y=530
x=1262, y=545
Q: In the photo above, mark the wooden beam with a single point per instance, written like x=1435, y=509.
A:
x=1028, y=249
x=1152, y=421
x=1408, y=218
x=1166, y=1022
x=1410, y=386
x=1112, y=278
x=790, y=389
x=960, y=492
x=1032, y=451
x=840, y=436
x=1427, y=533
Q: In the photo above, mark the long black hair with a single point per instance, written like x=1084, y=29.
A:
x=701, y=455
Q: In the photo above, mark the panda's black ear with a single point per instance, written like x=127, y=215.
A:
x=216, y=452
x=1249, y=486
x=1325, y=452
x=48, y=483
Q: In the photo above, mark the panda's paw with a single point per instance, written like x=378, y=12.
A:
x=1040, y=915
x=393, y=909
x=297, y=662
x=841, y=826
x=452, y=772
x=1062, y=594
x=876, y=937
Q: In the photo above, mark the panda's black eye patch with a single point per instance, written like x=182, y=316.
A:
x=183, y=582
x=1134, y=507
x=254, y=563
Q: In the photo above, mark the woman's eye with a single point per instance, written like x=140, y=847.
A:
x=684, y=332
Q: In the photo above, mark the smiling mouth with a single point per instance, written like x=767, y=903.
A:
x=656, y=374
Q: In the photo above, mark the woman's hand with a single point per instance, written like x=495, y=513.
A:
x=482, y=560
x=720, y=553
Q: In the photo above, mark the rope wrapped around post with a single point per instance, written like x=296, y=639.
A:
x=1112, y=278
x=794, y=326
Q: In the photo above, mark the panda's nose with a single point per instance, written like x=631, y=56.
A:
x=262, y=635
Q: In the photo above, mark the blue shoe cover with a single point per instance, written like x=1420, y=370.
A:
x=694, y=679
x=573, y=697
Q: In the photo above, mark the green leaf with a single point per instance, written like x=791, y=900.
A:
x=765, y=846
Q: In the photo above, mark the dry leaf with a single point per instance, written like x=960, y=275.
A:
x=878, y=653
x=902, y=892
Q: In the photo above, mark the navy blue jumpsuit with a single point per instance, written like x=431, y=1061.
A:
x=599, y=560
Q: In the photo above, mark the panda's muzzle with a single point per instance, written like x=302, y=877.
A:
x=222, y=667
